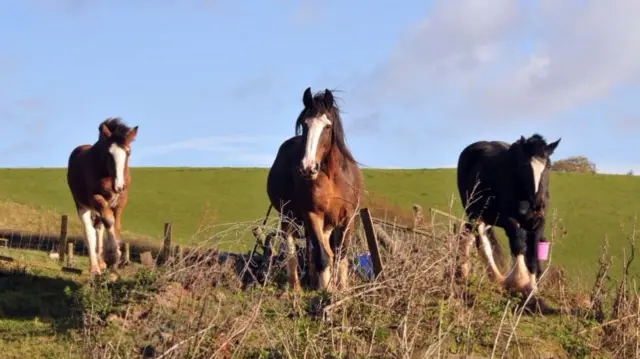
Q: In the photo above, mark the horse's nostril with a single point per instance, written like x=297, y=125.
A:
x=316, y=168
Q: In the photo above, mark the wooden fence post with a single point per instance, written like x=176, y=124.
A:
x=165, y=251
x=127, y=254
x=370, y=233
x=62, y=244
x=179, y=253
x=70, y=259
x=417, y=216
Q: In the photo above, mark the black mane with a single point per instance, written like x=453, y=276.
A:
x=119, y=129
x=533, y=146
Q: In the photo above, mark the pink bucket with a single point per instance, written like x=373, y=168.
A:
x=543, y=250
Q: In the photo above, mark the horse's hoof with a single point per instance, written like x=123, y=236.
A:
x=95, y=271
x=516, y=284
x=112, y=259
x=538, y=305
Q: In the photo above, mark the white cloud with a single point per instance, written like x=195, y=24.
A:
x=236, y=148
x=586, y=50
x=507, y=59
x=447, y=48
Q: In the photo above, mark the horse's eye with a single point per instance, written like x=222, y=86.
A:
x=326, y=127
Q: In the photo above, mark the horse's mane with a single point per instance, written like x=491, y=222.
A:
x=118, y=129
x=534, y=145
x=319, y=106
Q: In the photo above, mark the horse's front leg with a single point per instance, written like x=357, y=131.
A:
x=519, y=278
x=99, y=227
x=90, y=239
x=319, y=235
x=341, y=237
x=312, y=273
x=534, y=235
x=111, y=250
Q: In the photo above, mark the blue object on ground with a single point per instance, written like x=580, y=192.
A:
x=364, y=266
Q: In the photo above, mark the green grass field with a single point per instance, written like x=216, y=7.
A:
x=590, y=207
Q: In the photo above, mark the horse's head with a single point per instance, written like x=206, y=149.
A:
x=116, y=139
x=317, y=123
x=533, y=159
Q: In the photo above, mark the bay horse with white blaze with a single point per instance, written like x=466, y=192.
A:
x=98, y=177
x=316, y=183
x=506, y=186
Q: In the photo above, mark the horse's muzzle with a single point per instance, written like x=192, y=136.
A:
x=310, y=172
x=119, y=185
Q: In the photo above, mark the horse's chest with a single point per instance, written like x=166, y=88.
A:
x=324, y=201
x=321, y=196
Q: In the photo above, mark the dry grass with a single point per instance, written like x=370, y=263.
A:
x=198, y=308
x=35, y=219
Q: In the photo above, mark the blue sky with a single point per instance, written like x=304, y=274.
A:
x=219, y=83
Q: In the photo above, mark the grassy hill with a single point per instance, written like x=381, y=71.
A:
x=200, y=310
x=416, y=311
x=590, y=207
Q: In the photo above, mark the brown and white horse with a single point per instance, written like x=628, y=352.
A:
x=98, y=177
x=316, y=182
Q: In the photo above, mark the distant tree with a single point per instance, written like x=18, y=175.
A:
x=630, y=173
x=574, y=164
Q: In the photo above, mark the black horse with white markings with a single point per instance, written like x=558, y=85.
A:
x=507, y=186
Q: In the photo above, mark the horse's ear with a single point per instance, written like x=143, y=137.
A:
x=131, y=135
x=104, y=131
x=522, y=139
x=551, y=147
x=328, y=98
x=307, y=98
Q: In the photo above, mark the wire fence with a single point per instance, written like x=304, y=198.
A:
x=69, y=253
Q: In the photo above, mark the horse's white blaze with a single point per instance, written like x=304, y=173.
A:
x=119, y=157
x=537, y=165
x=316, y=126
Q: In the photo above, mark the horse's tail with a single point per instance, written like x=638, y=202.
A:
x=498, y=252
